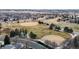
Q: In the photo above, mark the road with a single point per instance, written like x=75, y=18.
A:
x=29, y=43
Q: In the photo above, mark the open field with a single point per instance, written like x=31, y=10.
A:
x=62, y=24
x=54, y=38
x=40, y=30
x=51, y=20
x=74, y=26
x=29, y=24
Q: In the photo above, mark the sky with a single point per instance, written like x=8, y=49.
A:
x=39, y=4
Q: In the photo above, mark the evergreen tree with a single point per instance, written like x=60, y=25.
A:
x=12, y=33
x=17, y=32
x=6, y=40
x=32, y=35
x=70, y=30
x=51, y=26
x=57, y=28
x=0, y=25
x=14, y=19
x=5, y=19
x=76, y=42
x=66, y=29
x=25, y=32
x=40, y=22
x=22, y=32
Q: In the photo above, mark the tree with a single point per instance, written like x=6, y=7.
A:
x=6, y=40
x=51, y=26
x=70, y=30
x=5, y=19
x=17, y=32
x=58, y=20
x=25, y=32
x=18, y=21
x=47, y=24
x=76, y=42
x=0, y=25
x=78, y=21
x=14, y=19
x=66, y=29
x=57, y=28
x=12, y=33
x=32, y=35
x=40, y=22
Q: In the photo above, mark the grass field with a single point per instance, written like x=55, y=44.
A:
x=40, y=30
x=29, y=24
x=74, y=26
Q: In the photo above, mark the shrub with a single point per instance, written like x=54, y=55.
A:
x=32, y=35
x=66, y=29
x=51, y=26
x=40, y=22
x=57, y=28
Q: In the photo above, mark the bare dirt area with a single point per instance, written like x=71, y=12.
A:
x=54, y=38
